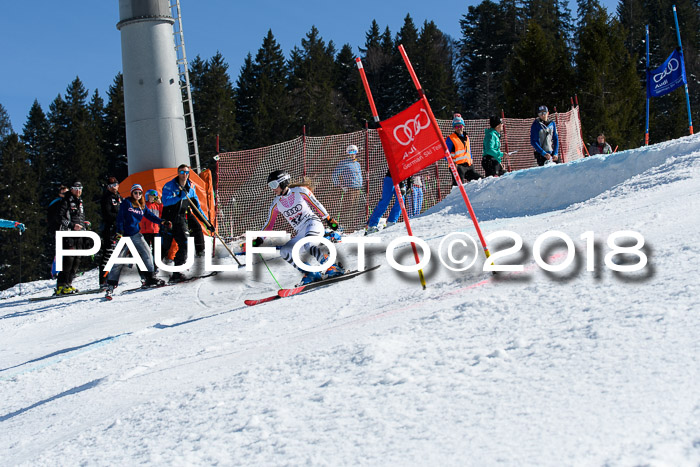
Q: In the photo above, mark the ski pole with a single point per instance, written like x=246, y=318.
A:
x=268, y=270
x=211, y=229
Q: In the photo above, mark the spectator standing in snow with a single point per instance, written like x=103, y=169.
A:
x=348, y=176
x=109, y=205
x=178, y=210
x=492, y=156
x=388, y=194
x=461, y=152
x=52, y=223
x=600, y=146
x=150, y=229
x=131, y=211
x=544, y=137
x=297, y=204
x=414, y=196
x=70, y=216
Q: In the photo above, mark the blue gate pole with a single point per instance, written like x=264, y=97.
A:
x=680, y=46
x=646, y=133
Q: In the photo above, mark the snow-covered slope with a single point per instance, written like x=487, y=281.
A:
x=572, y=368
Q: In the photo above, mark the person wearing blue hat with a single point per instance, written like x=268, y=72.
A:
x=544, y=137
x=461, y=152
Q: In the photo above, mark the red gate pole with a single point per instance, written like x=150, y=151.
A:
x=453, y=168
x=397, y=190
x=367, y=169
x=505, y=137
x=580, y=127
x=561, y=141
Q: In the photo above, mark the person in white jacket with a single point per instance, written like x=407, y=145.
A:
x=297, y=205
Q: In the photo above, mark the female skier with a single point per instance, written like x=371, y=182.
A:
x=295, y=203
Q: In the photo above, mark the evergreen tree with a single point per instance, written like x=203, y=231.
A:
x=264, y=105
x=214, y=107
x=20, y=195
x=379, y=63
x=349, y=93
x=435, y=70
x=311, y=79
x=404, y=90
x=489, y=34
x=35, y=137
x=609, y=90
x=5, y=125
x=539, y=72
x=114, y=148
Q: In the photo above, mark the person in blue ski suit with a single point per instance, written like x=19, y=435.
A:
x=178, y=210
x=388, y=193
x=131, y=211
x=544, y=137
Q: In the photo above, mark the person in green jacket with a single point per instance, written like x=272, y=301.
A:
x=492, y=156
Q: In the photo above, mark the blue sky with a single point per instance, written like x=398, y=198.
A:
x=51, y=43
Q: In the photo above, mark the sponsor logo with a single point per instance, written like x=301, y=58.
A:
x=405, y=134
x=670, y=68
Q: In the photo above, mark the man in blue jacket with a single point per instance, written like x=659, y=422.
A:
x=178, y=210
x=544, y=138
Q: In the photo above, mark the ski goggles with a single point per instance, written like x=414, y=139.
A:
x=184, y=172
x=76, y=188
x=274, y=184
x=113, y=185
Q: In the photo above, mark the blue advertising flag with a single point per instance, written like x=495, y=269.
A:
x=668, y=76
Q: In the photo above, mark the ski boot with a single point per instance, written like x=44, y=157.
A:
x=371, y=230
x=335, y=271
x=153, y=281
x=109, y=292
x=177, y=277
x=389, y=224
x=310, y=277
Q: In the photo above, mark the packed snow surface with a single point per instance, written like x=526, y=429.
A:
x=578, y=367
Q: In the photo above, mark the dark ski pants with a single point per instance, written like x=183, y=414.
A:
x=492, y=166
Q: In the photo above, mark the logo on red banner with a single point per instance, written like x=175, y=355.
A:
x=410, y=141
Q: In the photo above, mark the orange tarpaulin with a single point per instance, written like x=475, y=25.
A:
x=155, y=180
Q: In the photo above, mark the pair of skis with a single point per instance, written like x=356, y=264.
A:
x=283, y=293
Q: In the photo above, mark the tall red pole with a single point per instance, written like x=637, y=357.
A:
x=561, y=145
x=451, y=163
x=580, y=126
x=397, y=190
x=367, y=170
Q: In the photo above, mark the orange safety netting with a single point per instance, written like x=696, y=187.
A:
x=243, y=197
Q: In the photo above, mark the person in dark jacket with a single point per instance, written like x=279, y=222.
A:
x=600, y=146
x=178, y=210
x=70, y=216
x=131, y=211
x=109, y=204
x=544, y=137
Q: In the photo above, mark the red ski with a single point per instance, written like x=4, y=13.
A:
x=261, y=300
x=313, y=285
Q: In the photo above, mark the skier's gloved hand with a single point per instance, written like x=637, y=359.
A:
x=87, y=224
x=167, y=224
x=332, y=223
x=117, y=237
x=402, y=187
x=257, y=242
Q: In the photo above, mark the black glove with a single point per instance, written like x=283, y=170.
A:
x=402, y=187
x=257, y=242
x=332, y=223
x=167, y=224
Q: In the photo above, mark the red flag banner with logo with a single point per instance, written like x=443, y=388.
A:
x=410, y=141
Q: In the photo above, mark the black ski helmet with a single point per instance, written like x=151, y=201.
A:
x=281, y=177
x=494, y=121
